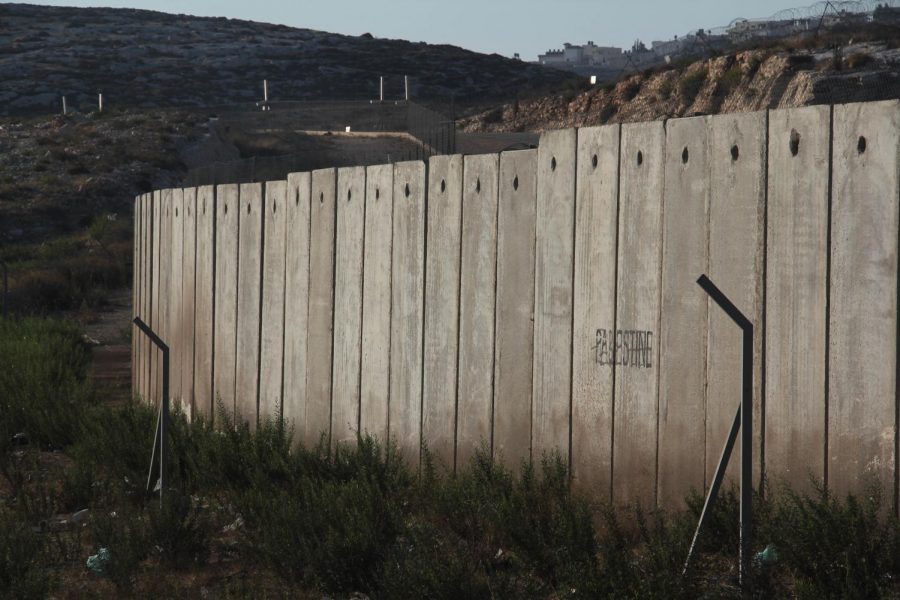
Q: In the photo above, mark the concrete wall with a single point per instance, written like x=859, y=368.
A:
x=546, y=300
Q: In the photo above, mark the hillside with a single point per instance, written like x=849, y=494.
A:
x=147, y=59
x=750, y=80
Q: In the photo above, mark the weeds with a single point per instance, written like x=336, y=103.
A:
x=355, y=518
x=43, y=387
x=729, y=80
x=21, y=572
x=691, y=84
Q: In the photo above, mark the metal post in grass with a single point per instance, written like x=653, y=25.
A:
x=160, y=446
x=743, y=420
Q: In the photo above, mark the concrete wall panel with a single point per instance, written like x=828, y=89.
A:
x=348, y=270
x=375, y=362
x=135, y=289
x=553, y=296
x=635, y=340
x=272, y=342
x=514, y=337
x=797, y=255
x=407, y=308
x=250, y=241
x=596, y=226
x=153, y=351
x=296, y=302
x=204, y=302
x=176, y=308
x=146, y=287
x=165, y=287
x=737, y=210
x=478, y=284
x=321, y=307
x=188, y=290
x=226, y=279
x=445, y=199
x=684, y=317
x=862, y=368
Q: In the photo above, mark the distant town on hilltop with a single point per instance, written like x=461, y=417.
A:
x=608, y=62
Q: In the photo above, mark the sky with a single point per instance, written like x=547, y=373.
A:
x=506, y=27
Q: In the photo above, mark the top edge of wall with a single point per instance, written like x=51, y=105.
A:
x=546, y=134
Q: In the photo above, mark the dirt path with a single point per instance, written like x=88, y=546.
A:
x=110, y=333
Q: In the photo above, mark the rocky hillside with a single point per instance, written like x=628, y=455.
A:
x=745, y=81
x=146, y=59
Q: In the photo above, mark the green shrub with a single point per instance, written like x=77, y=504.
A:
x=124, y=534
x=332, y=523
x=631, y=89
x=607, y=112
x=43, y=384
x=179, y=530
x=23, y=573
x=729, y=80
x=836, y=548
x=665, y=89
x=691, y=84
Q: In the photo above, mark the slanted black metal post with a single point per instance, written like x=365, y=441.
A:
x=160, y=444
x=743, y=420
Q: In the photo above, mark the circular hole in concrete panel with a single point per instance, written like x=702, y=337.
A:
x=794, y=142
x=553, y=164
x=478, y=185
x=640, y=158
x=443, y=185
x=516, y=183
x=861, y=144
x=349, y=195
x=735, y=152
x=684, y=156
x=406, y=190
x=594, y=161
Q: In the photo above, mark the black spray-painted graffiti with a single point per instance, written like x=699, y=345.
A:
x=625, y=348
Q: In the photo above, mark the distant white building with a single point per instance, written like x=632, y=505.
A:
x=742, y=30
x=575, y=57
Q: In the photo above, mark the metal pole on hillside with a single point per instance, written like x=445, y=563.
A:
x=743, y=420
x=160, y=445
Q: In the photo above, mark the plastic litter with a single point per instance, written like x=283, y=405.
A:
x=96, y=563
x=766, y=557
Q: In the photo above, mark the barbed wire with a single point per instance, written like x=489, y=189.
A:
x=818, y=10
